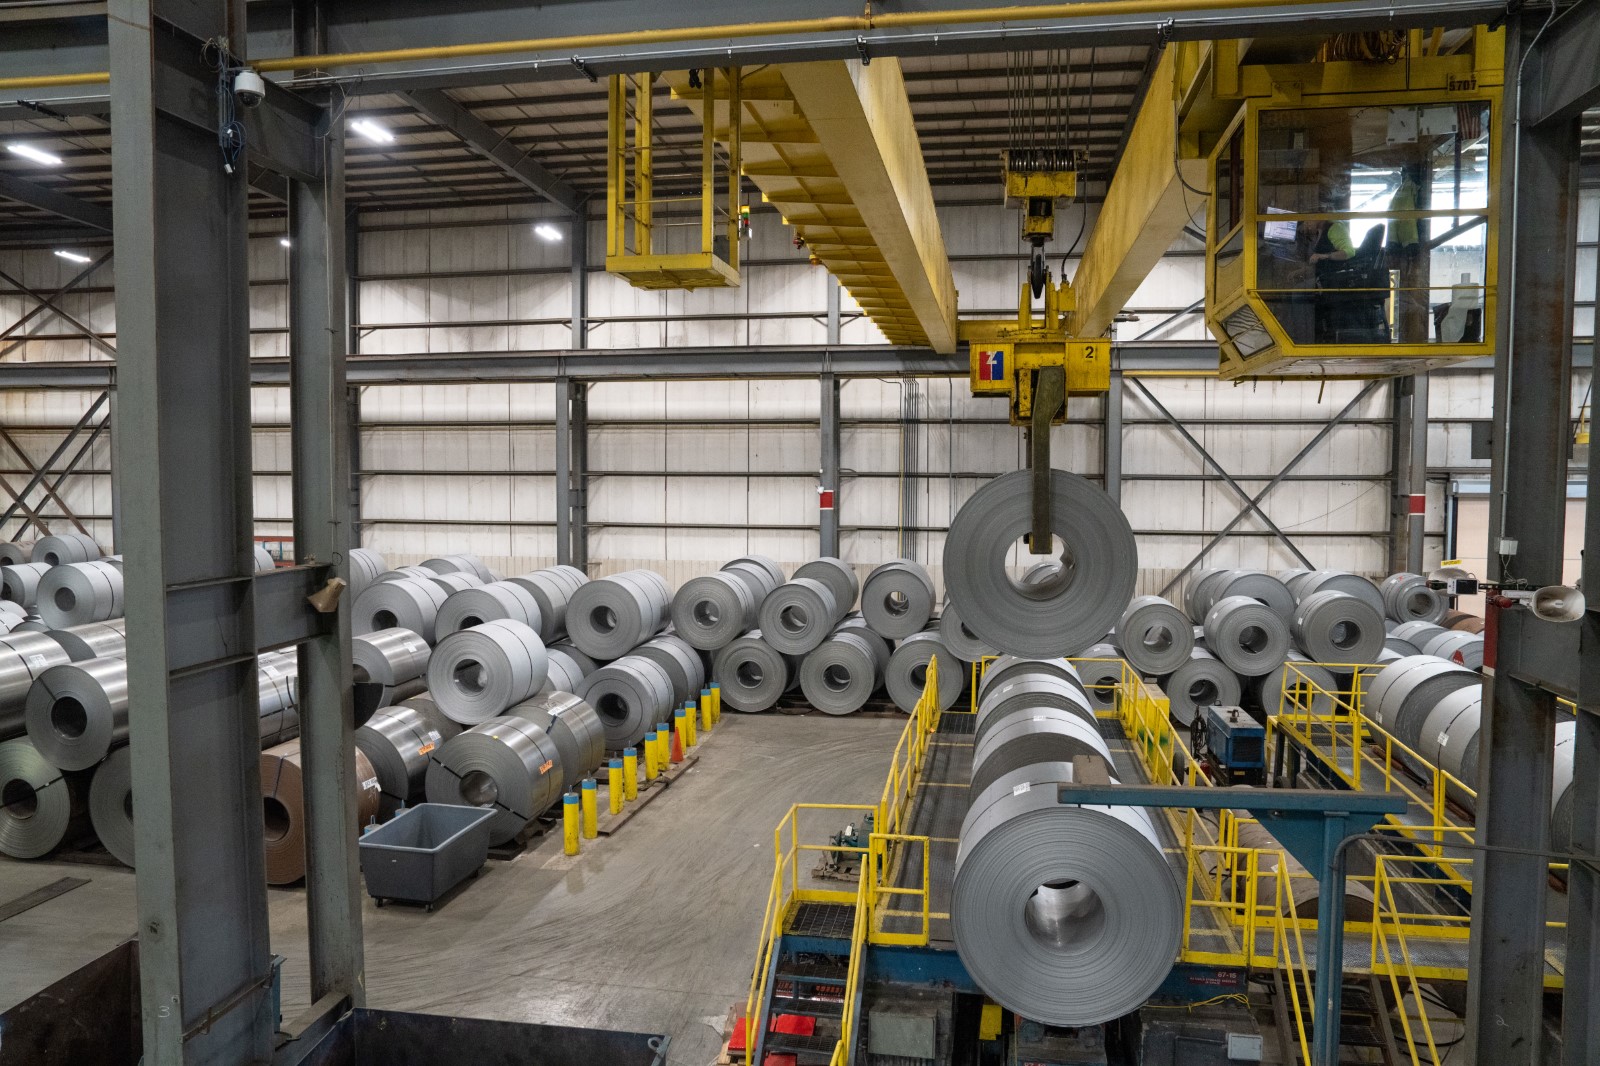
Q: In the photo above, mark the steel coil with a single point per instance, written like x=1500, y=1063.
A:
x=509, y=764
x=630, y=695
x=1100, y=670
x=1406, y=691
x=880, y=647
x=263, y=559
x=798, y=615
x=437, y=720
x=710, y=610
x=753, y=674
x=1203, y=681
x=838, y=575
x=404, y=603
x=1154, y=636
x=1397, y=647
x=682, y=664
x=1197, y=597
x=962, y=642
x=12, y=554
x=93, y=640
x=365, y=566
x=1340, y=581
x=552, y=589
x=111, y=804
x=1562, y=797
x=456, y=581
x=1257, y=585
x=19, y=582
x=610, y=617
x=1315, y=683
x=389, y=657
x=277, y=693
x=1407, y=598
x=10, y=611
x=1021, y=739
x=41, y=806
x=74, y=593
x=1059, y=616
x=1007, y=668
x=1466, y=623
x=23, y=658
x=1247, y=635
x=897, y=598
x=401, y=573
x=1037, y=694
x=908, y=671
x=460, y=564
x=568, y=668
x=1457, y=752
x=1418, y=633
x=1458, y=647
x=65, y=548
x=759, y=572
x=77, y=713
x=475, y=606
x=397, y=742
x=841, y=675
x=1440, y=734
x=1041, y=572
x=283, y=808
x=478, y=673
x=1335, y=627
x=575, y=728
x=1066, y=915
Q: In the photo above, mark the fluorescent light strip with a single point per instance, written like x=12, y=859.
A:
x=28, y=151
x=75, y=257
x=547, y=232
x=372, y=131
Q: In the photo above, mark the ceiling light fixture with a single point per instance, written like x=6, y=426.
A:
x=284, y=241
x=28, y=151
x=75, y=257
x=372, y=131
x=546, y=231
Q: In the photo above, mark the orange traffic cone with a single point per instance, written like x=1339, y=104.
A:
x=677, y=745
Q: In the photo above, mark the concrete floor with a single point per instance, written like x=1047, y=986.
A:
x=652, y=930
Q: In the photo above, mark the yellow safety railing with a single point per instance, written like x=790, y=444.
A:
x=886, y=856
x=905, y=766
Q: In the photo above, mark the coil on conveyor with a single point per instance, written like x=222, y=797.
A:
x=1248, y=636
x=1018, y=740
x=404, y=603
x=908, y=671
x=478, y=673
x=962, y=642
x=1197, y=599
x=568, y=668
x=41, y=806
x=552, y=590
x=1203, y=681
x=1005, y=668
x=759, y=572
x=753, y=674
x=630, y=695
x=710, y=610
x=508, y=764
x=1062, y=615
x=1340, y=581
x=64, y=548
x=24, y=657
x=460, y=564
x=838, y=575
x=77, y=713
x=13, y=554
x=881, y=649
x=1155, y=637
x=1309, y=683
x=423, y=704
x=283, y=808
x=1440, y=735
x=1067, y=915
x=397, y=742
x=365, y=566
x=111, y=804
x=74, y=593
x=574, y=727
x=1335, y=627
x=897, y=598
x=1407, y=598
x=1458, y=647
x=484, y=603
x=93, y=640
x=1042, y=693
x=456, y=581
x=1405, y=692
x=401, y=573
x=841, y=675
x=682, y=664
x=1562, y=797
x=19, y=582
x=609, y=617
x=798, y=615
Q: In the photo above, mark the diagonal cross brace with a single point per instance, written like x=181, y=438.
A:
x=49, y=490
x=73, y=463
x=55, y=456
x=47, y=303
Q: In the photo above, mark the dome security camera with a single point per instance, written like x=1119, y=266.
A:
x=249, y=88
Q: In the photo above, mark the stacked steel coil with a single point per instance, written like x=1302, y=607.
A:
x=897, y=598
x=479, y=673
x=508, y=764
x=609, y=617
x=484, y=603
x=630, y=695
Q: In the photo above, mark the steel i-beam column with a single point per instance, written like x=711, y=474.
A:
x=1532, y=383
x=580, y=279
x=578, y=493
x=828, y=479
x=184, y=386
x=563, y=487
x=1112, y=444
x=1417, y=476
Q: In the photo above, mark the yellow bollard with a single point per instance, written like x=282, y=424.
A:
x=705, y=709
x=630, y=773
x=569, y=823
x=691, y=735
x=652, y=765
x=614, y=785
x=591, y=808
x=716, y=703
x=681, y=730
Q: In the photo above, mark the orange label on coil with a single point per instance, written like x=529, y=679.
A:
x=546, y=767
x=426, y=748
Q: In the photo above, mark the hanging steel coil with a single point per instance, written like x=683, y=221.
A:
x=460, y=564
x=609, y=617
x=1458, y=647
x=897, y=598
x=19, y=582
x=962, y=642
x=283, y=808
x=838, y=575
x=631, y=695
x=65, y=548
x=1066, y=915
x=404, y=603
x=841, y=675
x=1335, y=627
x=1203, y=681
x=1059, y=616
x=77, y=713
x=93, y=640
x=1407, y=598
x=1247, y=635
x=710, y=610
x=475, y=606
x=798, y=615
x=41, y=806
x=682, y=664
x=74, y=593
x=478, y=673
x=111, y=804
x=576, y=729
x=1155, y=637
x=508, y=764
x=753, y=674
x=908, y=671
x=397, y=742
